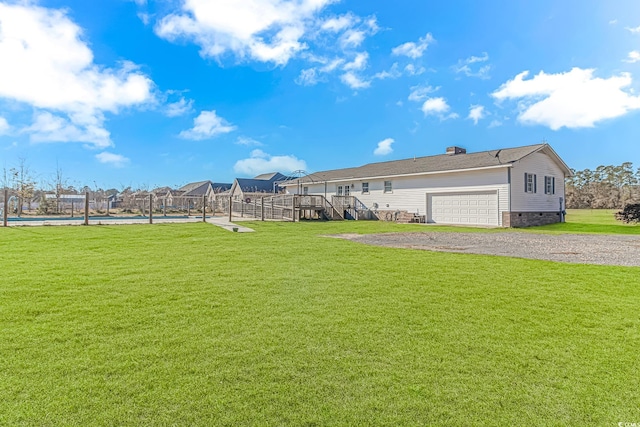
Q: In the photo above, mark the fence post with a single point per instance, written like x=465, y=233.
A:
x=150, y=208
x=71, y=208
x=262, y=208
x=230, y=207
x=164, y=207
x=4, y=208
x=204, y=208
x=86, y=208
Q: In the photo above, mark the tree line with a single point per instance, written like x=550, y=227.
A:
x=606, y=187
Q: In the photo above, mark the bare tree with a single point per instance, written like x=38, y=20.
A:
x=23, y=183
x=59, y=184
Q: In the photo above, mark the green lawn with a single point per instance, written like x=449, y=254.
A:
x=592, y=221
x=189, y=324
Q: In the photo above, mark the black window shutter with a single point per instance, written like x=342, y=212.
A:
x=535, y=184
x=553, y=185
x=525, y=181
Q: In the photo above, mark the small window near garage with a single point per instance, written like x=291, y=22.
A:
x=305, y=190
x=365, y=188
x=387, y=187
x=549, y=185
x=530, y=185
x=339, y=192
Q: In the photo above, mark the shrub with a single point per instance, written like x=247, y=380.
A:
x=630, y=213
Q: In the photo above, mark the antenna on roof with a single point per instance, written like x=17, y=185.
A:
x=544, y=140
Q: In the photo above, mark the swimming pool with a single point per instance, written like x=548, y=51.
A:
x=92, y=218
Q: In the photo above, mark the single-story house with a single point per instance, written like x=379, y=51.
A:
x=509, y=187
x=192, y=193
x=261, y=185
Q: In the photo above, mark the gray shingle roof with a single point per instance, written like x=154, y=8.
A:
x=194, y=187
x=439, y=163
x=249, y=185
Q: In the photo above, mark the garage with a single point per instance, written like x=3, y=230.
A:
x=473, y=208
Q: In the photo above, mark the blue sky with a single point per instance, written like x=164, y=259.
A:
x=148, y=93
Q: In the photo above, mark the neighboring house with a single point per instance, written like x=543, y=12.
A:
x=261, y=185
x=509, y=187
x=192, y=193
x=172, y=198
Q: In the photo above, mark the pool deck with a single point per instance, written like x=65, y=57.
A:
x=221, y=222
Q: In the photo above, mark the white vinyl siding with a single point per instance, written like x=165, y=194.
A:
x=542, y=166
x=410, y=194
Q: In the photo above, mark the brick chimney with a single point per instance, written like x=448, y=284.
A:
x=456, y=150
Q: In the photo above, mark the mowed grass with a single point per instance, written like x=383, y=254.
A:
x=189, y=324
x=600, y=221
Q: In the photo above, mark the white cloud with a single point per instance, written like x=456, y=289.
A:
x=332, y=65
x=4, y=126
x=495, y=124
x=476, y=112
x=206, y=126
x=634, y=56
x=412, y=49
x=393, y=73
x=466, y=66
x=435, y=106
x=115, y=160
x=179, y=108
x=413, y=71
x=438, y=107
x=248, y=142
x=358, y=63
x=339, y=23
x=352, y=38
x=353, y=81
x=384, y=147
x=47, y=127
x=308, y=77
x=574, y=99
x=420, y=93
x=355, y=35
x=635, y=30
x=263, y=30
x=260, y=162
x=47, y=65
x=613, y=22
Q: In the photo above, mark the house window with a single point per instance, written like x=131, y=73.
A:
x=549, y=185
x=365, y=188
x=530, y=185
x=305, y=190
x=347, y=190
x=387, y=187
x=339, y=192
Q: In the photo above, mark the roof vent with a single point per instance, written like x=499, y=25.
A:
x=456, y=150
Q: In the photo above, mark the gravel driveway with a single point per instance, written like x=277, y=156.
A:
x=574, y=248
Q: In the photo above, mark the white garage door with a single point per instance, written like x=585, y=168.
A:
x=474, y=208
